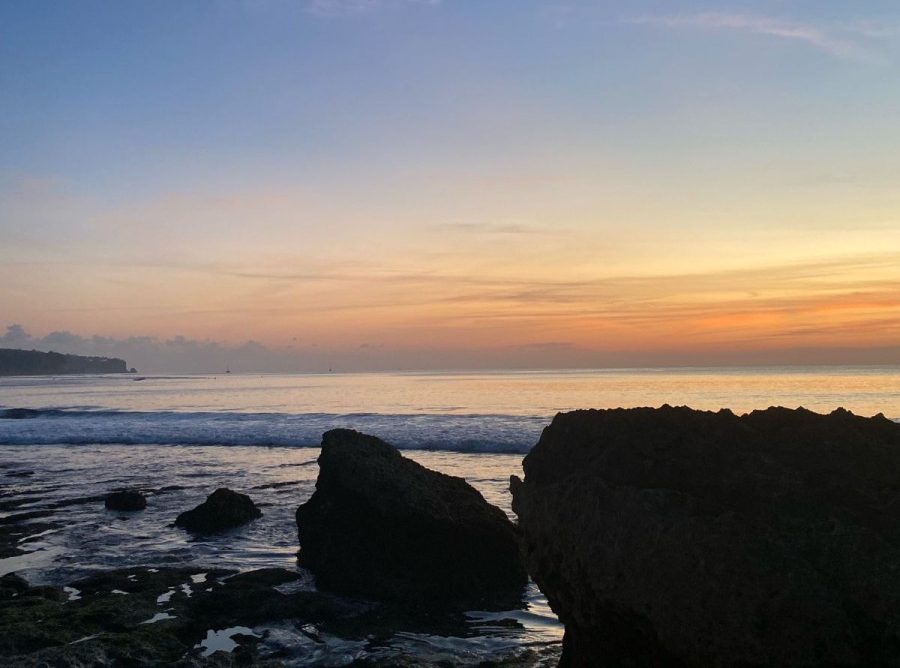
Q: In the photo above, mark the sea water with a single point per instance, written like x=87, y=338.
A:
x=181, y=437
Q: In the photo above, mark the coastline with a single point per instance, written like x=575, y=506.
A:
x=56, y=531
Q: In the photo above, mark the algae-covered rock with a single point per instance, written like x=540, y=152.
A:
x=152, y=617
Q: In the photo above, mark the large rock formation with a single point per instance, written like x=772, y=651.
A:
x=677, y=537
x=222, y=510
x=15, y=362
x=382, y=526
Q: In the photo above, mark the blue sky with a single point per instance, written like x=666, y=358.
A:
x=454, y=176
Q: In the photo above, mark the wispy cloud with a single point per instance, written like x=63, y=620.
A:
x=846, y=41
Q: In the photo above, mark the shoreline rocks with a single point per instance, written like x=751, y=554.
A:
x=678, y=537
x=153, y=617
x=382, y=526
x=222, y=510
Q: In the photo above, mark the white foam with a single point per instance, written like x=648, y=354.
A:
x=220, y=641
x=74, y=594
x=420, y=431
x=165, y=598
x=37, y=535
x=158, y=617
x=36, y=559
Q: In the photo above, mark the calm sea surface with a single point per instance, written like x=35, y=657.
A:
x=180, y=437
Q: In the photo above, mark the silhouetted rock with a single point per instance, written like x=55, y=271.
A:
x=223, y=509
x=127, y=499
x=677, y=537
x=382, y=526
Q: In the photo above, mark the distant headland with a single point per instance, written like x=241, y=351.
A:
x=35, y=363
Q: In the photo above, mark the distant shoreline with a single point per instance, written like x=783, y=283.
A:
x=14, y=362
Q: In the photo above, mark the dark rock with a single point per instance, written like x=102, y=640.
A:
x=48, y=592
x=127, y=500
x=223, y=509
x=44, y=626
x=12, y=585
x=103, y=623
x=677, y=537
x=382, y=526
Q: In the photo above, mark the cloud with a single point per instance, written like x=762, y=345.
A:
x=838, y=40
x=149, y=353
x=374, y=319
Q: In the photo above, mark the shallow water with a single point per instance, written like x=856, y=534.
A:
x=86, y=537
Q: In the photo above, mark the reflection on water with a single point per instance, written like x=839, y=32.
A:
x=864, y=390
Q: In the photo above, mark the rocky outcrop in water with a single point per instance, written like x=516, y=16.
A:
x=380, y=525
x=15, y=362
x=128, y=500
x=222, y=510
x=196, y=617
x=677, y=537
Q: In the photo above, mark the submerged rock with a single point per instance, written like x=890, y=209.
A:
x=151, y=617
x=168, y=616
x=223, y=509
x=382, y=526
x=126, y=499
x=677, y=537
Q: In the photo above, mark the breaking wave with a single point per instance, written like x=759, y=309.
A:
x=452, y=433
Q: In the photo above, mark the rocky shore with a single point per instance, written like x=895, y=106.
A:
x=661, y=537
x=176, y=616
x=437, y=550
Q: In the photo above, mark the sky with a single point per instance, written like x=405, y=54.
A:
x=425, y=184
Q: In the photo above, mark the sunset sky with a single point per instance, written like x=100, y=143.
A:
x=380, y=184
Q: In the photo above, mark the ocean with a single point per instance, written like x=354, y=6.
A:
x=181, y=437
